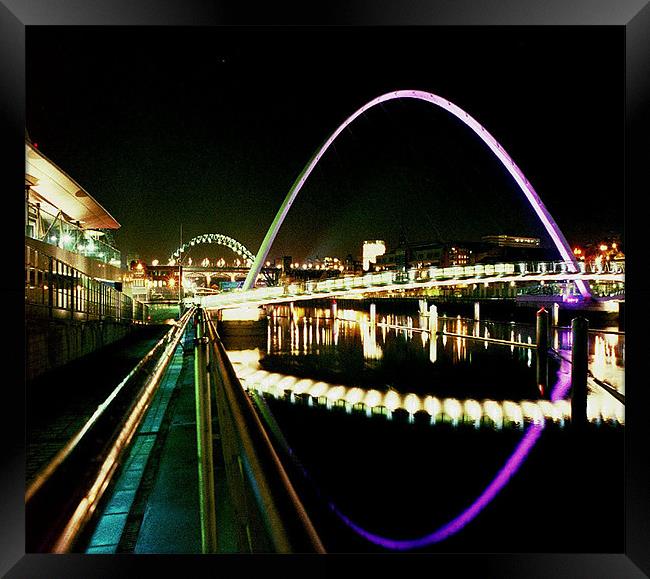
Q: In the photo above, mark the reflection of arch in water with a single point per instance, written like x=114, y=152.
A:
x=216, y=239
x=501, y=479
x=545, y=217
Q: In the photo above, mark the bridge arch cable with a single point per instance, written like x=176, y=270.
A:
x=527, y=189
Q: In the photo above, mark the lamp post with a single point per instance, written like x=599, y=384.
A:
x=180, y=285
x=180, y=276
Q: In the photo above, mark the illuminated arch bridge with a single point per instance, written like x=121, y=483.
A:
x=495, y=147
x=219, y=239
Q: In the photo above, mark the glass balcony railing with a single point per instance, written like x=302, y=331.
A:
x=53, y=229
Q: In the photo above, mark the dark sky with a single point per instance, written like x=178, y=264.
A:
x=209, y=127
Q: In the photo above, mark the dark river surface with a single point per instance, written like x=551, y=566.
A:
x=393, y=481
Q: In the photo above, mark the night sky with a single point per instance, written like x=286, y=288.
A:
x=209, y=127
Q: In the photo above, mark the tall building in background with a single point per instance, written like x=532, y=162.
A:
x=372, y=250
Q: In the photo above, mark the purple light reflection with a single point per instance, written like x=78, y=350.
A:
x=504, y=475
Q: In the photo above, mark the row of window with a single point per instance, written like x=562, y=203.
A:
x=53, y=284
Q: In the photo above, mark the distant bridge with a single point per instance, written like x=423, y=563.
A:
x=512, y=274
x=232, y=273
x=238, y=248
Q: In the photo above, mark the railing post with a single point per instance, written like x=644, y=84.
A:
x=433, y=333
x=204, y=446
x=198, y=323
x=621, y=316
x=433, y=321
x=541, y=334
x=556, y=314
x=477, y=310
x=579, y=368
x=373, y=314
x=541, y=339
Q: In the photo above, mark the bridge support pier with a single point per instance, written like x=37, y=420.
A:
x=433, y=333
x=621, y=316
x=373, y=314
x=579, y=368
x=541, y=338
x=433, y=321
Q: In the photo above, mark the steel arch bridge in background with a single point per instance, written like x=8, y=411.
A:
x=216, y=239
x=220, y=239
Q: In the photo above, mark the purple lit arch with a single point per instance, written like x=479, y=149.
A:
x=551, y=227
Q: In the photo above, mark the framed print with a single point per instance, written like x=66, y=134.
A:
x=350, y=283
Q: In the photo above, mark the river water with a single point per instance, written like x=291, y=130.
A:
x=376, y=479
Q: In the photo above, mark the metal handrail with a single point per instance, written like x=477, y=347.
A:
x=48, y=470
x=118, y=443
x=286, y=520
x=135, y=414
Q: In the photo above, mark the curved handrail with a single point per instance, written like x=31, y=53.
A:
x=48, y=470
x=78, y=509
x=289, y=525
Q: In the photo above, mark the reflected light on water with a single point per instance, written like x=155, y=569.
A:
x=412, y=403
x=472, y=412
x=600, y=406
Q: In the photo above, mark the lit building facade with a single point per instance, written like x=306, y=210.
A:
x=418, y=255
x=155, y=282
x=73, y=274
x=492, y=249
x=63, y=215
x=371, y=251
x=511, y=240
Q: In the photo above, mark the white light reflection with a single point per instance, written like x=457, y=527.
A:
x=472, y=412
x=506, y=412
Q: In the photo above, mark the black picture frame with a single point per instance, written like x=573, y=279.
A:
x=634, y=15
